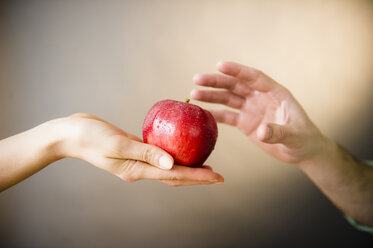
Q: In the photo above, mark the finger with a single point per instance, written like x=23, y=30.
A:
x=132, y=170
x=253, y=77
x=207, y=167
x=185, y=173
x=147, y=153
x=133, y=148
x=223, y=82
x=223, y=97
x=177, y=183
x=273, y=133
x=225, y=116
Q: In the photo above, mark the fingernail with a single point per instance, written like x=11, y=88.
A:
x=165, y=162
x=196, y=77
x=219, y=63
x=193, y=93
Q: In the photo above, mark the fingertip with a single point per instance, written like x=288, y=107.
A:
x=166, y=162
x=207, y=167
x=220, y=178
x=194, y=94
x=197, y=78
x=219, y=64
x=214, y=176
x=263, y=133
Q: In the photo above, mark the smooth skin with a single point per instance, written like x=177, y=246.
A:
x=98, y=142
x=267, y=112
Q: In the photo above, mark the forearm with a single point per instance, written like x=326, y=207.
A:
x=346, y=181
x=26, y=153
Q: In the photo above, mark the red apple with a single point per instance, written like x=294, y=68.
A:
x=184, y=130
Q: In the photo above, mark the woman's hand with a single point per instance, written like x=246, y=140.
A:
x=267, y=112
x=125, y=155
x=98, y=142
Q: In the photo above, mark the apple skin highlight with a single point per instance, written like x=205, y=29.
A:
x=184, y=130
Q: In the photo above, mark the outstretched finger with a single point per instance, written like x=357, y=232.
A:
x=223, y=97
x=221, y=81
x=207, y=167
x=225, y=116
x=132, y=170
x=177, y=183
x=253, y=77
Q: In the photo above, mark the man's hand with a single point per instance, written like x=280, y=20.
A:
x=267, y=112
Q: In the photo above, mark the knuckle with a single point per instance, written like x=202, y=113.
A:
x=278, y=134
x=257, y=72
x=147, y=154
x=118, y=142
x=172, y=175
x=119, y=145
x=234, y=86
x=228, y=100
x=287, y=92
x=129, y=171
x=257, y=76
x=79, y=115
x=217, y=80
x=234, y=101
x=281, y=133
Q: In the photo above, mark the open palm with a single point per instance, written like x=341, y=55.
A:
x=126, y=156
x=268, y=113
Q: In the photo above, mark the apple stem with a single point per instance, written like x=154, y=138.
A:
x=187, y=100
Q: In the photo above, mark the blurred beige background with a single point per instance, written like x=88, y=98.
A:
x=115, y=59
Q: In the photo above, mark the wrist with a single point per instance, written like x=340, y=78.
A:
x=60, y=134
x=326, y=149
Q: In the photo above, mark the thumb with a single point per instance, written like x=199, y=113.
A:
x=150, y=154
x=273, y=133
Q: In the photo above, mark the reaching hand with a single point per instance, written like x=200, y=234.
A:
x=267, y=112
